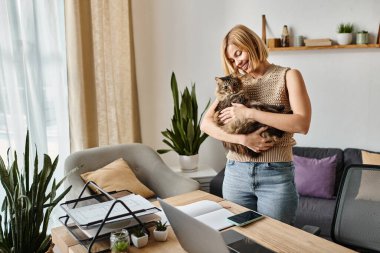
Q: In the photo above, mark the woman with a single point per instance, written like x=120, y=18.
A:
x=264, y=183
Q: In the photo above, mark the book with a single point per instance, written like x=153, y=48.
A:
x=208, y=212
x=94, y=214
x=317, y=42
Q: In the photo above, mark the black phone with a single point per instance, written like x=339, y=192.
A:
x=244, y=218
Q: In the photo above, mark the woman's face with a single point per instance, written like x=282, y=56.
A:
x=238, y=58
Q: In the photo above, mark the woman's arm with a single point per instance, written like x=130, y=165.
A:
x=209, y=126
x=298, y=122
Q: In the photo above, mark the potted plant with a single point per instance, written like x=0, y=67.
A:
x=362, y=37
x=28, y=203
x=139, y=237
x=160, y=232
x=185, y=136
x=119, y=241
x=344, y=36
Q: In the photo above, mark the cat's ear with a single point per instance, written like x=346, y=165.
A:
x=217, y=78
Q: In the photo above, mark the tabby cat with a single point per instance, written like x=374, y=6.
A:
x=230, y=90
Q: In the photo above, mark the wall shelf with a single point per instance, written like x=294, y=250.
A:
x=324, y=47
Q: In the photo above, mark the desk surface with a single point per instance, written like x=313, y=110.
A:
x=269, y=232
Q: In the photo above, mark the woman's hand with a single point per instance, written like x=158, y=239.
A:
x=256, y=142
x=235, y=112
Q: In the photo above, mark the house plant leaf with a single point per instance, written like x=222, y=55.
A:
x=184, y=137
x=28, y=204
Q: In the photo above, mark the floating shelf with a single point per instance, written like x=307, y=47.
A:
x=324, y=47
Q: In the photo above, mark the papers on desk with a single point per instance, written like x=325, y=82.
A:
x=91, y=231
x=208, y=212
x=94, y=214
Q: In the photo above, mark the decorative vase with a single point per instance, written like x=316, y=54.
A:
x=188, y=163
x=344, y=38
x=139, y=242
x=362, y=38
x=160, y=236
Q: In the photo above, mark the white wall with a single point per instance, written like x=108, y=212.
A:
x=184, y=36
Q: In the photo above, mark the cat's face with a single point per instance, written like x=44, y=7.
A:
x=227, y=85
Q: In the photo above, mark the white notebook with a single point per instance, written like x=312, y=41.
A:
x=208, y=212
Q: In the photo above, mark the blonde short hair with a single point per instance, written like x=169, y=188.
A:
x=246, y=40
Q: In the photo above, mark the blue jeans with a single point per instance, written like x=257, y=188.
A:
x=264, y=187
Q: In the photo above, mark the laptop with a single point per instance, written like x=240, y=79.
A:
x=196, y=237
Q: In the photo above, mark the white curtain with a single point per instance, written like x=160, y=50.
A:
x=33, y=78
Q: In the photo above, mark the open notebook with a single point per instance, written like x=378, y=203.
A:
x=208, y=212
x=195, y=236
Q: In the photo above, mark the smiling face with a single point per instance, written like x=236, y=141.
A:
x=241, y=46
x=238, y=58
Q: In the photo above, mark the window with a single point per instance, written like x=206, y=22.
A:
x=33, y=85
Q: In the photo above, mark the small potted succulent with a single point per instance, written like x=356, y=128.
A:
x=362, y=37
x=139, y=237
x=160, y=233
x=344, y=33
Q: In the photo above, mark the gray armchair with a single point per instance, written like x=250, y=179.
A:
x=148, y=166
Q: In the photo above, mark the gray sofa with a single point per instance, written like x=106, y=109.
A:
x=147, y=165
x=312, y=211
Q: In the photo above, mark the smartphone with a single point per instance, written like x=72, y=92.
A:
x=244, y=218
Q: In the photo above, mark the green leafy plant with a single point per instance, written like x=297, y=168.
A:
x=185, y=136
x=138, y=231
x=120, y=246
x=345, y=28
x=161, y=226
x=28, y=203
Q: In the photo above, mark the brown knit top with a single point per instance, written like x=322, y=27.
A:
x=271, y=89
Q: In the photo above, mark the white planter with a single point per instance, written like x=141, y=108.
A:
x=344, y=38
x=188, y=163
x=139, y=242
x=160, y=236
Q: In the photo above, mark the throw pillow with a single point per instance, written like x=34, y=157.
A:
x=117, y=176
x=370, y=180
x=315, y=177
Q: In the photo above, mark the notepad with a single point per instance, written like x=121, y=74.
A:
x=208, y=212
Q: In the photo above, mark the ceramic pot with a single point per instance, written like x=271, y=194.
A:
x=344, y=38
x=188, y=163
x=139, y=242
x=160, y=236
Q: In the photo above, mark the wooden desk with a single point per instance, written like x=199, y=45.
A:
x=274, y=234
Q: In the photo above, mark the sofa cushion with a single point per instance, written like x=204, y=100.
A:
x=320, y=153
x=352, y=156
x=315, y=177
x=216, y=184
x=316, y=212
x=117, y=176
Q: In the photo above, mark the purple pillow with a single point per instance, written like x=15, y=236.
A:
x=315, y=177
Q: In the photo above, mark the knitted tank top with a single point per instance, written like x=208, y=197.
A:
x=269, y=89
